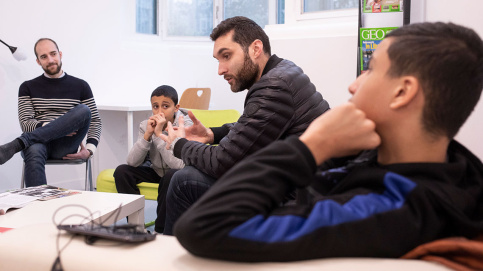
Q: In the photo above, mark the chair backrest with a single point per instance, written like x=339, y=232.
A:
x=216, y=118
x=195, y=98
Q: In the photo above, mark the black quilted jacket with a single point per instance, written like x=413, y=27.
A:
x=282, y=103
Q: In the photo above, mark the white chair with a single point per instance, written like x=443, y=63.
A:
x=88, y=178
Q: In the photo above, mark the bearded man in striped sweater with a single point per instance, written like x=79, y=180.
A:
x=56, y=111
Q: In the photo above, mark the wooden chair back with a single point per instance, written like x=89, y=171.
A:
x=195, y=98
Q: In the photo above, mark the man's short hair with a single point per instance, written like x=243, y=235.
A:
x=166, y=91
x=42, y=39
x=447, y=59
x=246, y=31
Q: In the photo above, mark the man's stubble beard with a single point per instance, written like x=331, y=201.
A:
x=247, y=75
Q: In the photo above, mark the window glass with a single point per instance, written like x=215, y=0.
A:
x=322, y=5
x=280, y=11
x=146, y=16
x=189, y=17
x=195, y=18
x=256, y=10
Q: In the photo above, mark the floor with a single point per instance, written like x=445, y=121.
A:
x=150, y=213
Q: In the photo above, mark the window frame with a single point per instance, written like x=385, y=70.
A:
x=163, y=26
x=218, y=15
x=293, y=15
x=157, y=19
x=343, y=14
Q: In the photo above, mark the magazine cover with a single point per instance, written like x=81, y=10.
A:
x=19, y=198
x=375, y=6
x=370, y=39
x=44, y=192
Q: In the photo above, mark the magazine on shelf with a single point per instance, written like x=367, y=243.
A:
x=370, y=39
x=376, y=6
x=19, y=198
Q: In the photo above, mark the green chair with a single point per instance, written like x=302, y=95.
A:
x=105, y=183
x=209, y=118
x=216, y=118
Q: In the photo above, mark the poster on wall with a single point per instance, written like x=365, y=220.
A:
x=370, y=39
x=376, y=6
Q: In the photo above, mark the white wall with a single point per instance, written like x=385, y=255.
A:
x=471, y=135
x=99, y=45
x=327, y=52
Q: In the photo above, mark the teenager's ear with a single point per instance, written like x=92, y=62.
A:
x=176, y=108
x=405, y=92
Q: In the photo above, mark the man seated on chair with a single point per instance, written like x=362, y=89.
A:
x=56, y=111
x=416, y=185
x=151, y=149
x=281, y=101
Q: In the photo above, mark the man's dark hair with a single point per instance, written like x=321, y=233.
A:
x=447, y=59
x=166, y=91
x=42, y=39
x=246, y=31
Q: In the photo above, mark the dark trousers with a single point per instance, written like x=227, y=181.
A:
x=161, y=209
x=127, y=177
x=185, y=188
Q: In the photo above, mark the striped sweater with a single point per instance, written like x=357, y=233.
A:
x=42, y=100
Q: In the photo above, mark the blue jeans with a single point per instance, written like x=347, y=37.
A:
x=50, y=142
x=186, y=187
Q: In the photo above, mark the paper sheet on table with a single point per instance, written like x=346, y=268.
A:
x=9, y=200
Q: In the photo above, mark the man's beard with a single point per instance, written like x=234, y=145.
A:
x=247, y=75
x=56, y=71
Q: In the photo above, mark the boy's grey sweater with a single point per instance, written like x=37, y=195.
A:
x=161, y=158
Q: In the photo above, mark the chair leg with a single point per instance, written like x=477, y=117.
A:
x=91, y=187
x=88, y=182
x=88, y=178
x=22, y=181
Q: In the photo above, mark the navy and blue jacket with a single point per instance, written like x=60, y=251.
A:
x=359, y=209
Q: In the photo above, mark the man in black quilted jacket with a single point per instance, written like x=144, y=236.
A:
x=281, y=101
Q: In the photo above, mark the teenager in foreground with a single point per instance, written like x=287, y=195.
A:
x=411, y=184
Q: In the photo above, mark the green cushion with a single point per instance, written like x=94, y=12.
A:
x=149, y=190
x=105, y=183
x=209, y=118
x=216, y=118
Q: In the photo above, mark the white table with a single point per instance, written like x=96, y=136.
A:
x=104, y=207
x=34, y=248
x=129, y=109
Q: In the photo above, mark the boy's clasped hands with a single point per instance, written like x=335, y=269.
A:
x=156, y=125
